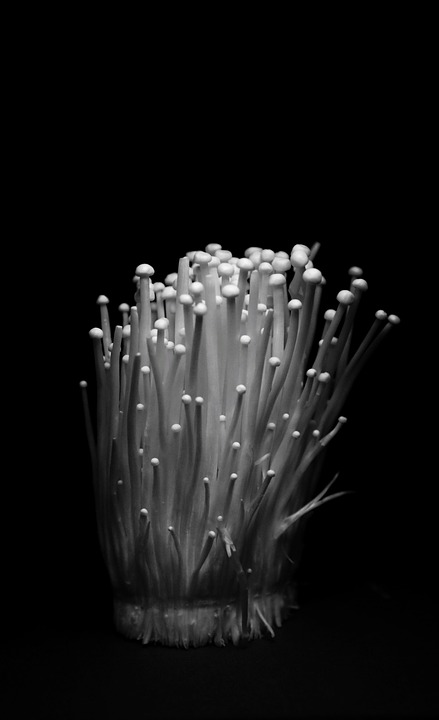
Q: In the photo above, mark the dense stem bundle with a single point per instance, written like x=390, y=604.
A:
x=214, y=400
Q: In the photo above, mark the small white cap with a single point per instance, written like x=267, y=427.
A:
x=185, y=299
x=202, y=258
x=299, y=258
x=245, y=264
x=169, y=293
x=144, y=270
x=225, y=269
x=161, y=324
x=312, y=275
x=300, y=246
x=196, y=288
x=360, y=284
x=355, y=271
x=280, y=264
x=324, y=377
x=200, y=308
x=294, y=304
x=211, y=248
x=345, y=297
x=223, y=255
x=230, y=291
x=265, y=268
x=276, y=280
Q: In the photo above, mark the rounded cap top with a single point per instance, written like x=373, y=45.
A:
x=294, y=304
x=186, y=299
x=171, y=278
x=196, y=288
x=276, y=280
x=162, y=323
x=169, y=292
x=324, y=377
x=245, y=263
x=281, y=264
x=267, y=255
x=359, y=284
x=250, y=250
x=345, y=297
x=299, y=258
x=312, y=275
x=96, y=333
x=300, y=246
x=200, y=309
x=212, y=248
x=265, y=268
x=255, y=257
x=225, y=268
x=144, y=270
x=202, y=258
x=230, y=291
x=102, y=300
x=355, y=271
x=223, y=255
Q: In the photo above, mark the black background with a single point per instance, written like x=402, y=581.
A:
x=104, y=178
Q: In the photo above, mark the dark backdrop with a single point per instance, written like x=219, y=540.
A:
x=104, y=179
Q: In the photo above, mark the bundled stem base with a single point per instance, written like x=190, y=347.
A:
x=200, y=623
